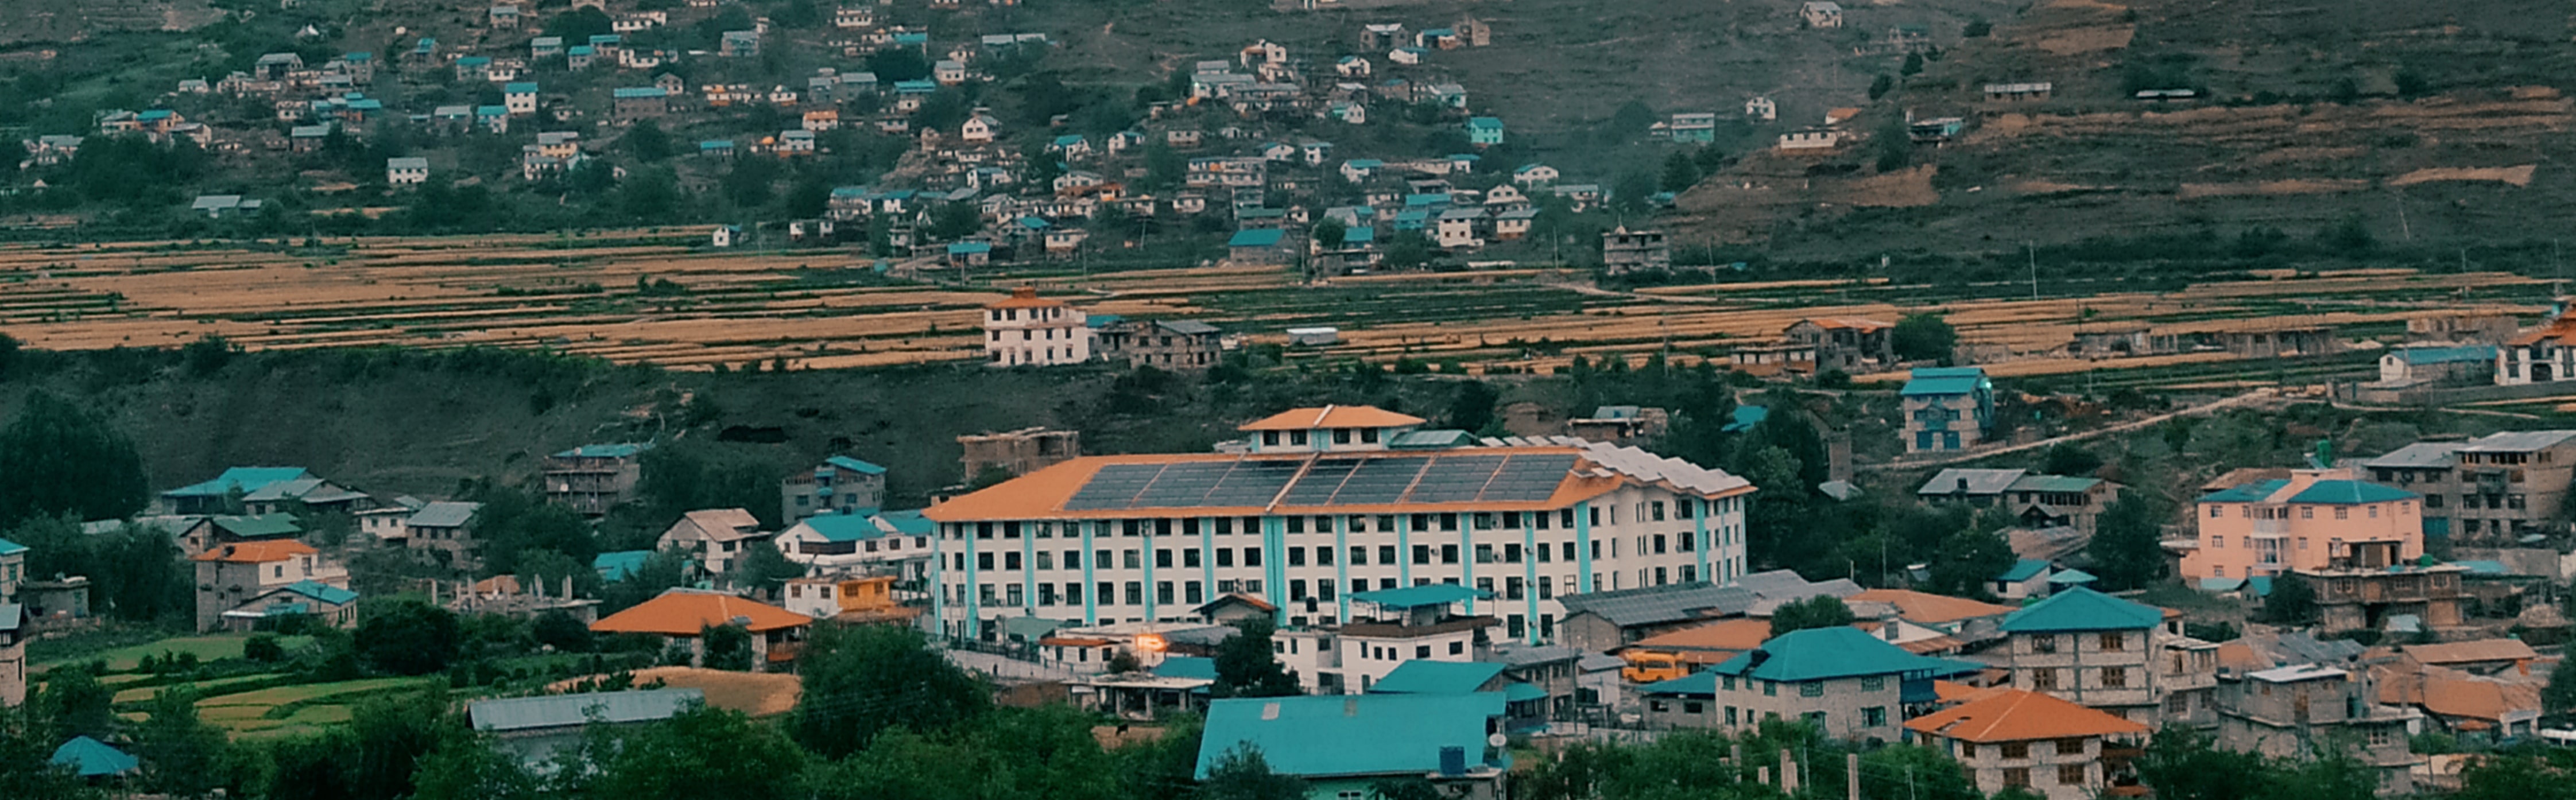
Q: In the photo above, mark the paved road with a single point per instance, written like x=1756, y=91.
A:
x=2204, y=409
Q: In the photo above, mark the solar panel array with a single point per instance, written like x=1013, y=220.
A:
x=1331, y=481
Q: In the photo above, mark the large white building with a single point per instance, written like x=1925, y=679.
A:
x=1028, y=330
x=1324, y=502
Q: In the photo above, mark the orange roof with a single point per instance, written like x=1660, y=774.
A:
x=685, y=612
x=258, y=552
x=1953, y=691
x=2453, y=693
x=1302, y=419
x=1026, y=297
x=1043, y=494
x=1729, y=636
x=1854, y=323
x=2016, y=715
x=2471, y=652
x=2562, y=329
x=1925, y=608
x=1073, y=641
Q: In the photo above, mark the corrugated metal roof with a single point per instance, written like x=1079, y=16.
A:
x=2053, y=483
x=2420, y=454
x=321, y=591
x=1429, y=594
x=444, y=514
x=1186, y=667
x=2246, y=493
x=1824, y=653
x=1956, y=480
x=1421, y=676
x=2349, y=492
x=1698, y=684
x=2024, y=569
x=91, y=758
x=2081, y=609
x=616, y=566
x=2518, y=441
x=1944, y=380
x=244, y=479
x=523, y=713
x=855, y=465
x=259, y=526
x=1353, y=735
x=605, y=450
x=1655, y=605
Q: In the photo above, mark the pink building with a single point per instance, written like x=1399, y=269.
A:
x=2316, y=520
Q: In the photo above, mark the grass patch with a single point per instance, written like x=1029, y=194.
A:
x=138, y=695
x=292, y=710
x=206, y=648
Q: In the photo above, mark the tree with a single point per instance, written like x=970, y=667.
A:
x=1473, y=408
x=2180, y=764
x=561, y=631
x=1924, y=337
x=78, y=705
x=1967, y=560
x=700, y=754
x=1681, y=172
x=1895, y=145
x=408, y=637
x=469, y=768
x=862, y=681
x=2069, y=459
x=579, y=24
x=1977, y=28
x=1330, y=233
x=1164, y=167
x=728, y=647
x=1913, y=64
x=646, y=142
x=1242, y=774
x=1629, y=120
x=2293, y=600
x=764, y=568
x=1409, y=250
x=391, y=735
x=2127, y=546
x=2349, y=236
x=58, y=458
x=180, y=753
x=1820, y=611
x=1124, y=661
x=1880, y=85
x=1245, y=666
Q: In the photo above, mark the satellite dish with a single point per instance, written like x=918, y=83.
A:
x=1496, y=740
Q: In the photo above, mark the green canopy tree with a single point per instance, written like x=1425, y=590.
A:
x=58, y=458
x=1246, y=667
x=1924, y=337
x=2127, y=546
x=863, y=681
x=1820, y=611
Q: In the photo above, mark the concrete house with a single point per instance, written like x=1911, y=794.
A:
x=2014, y=738
x=1484, y=131
x=444, y=527
x=407, y=171
x=715, y=537
x=2035, y=501
x=1171, y=345
x=681, y=615
x=2495, y=488
x=1947, y=408
x=632, y=103
x=2112, y=654
x=1850, y=344
x=1258, y=246
x=1821, y=14
x=1846, y=682
x=892, y=542
x=2293, y=712
x=594, y=477
x=2315, y=520
x=1623, y=250
x=520, y=99
x=839, y=485
x=535, y=729
x=1027, y=330
x=331, y=605
x=231, y=575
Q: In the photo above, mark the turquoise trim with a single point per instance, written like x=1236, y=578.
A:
x=1467, y=553
x=1274, y=571
x=1029, y=569
x=1529, y=575
x=974, y=599
x=1583, y=545
x=1090, y=587
x=1699, y=534
x=1403, y=549
x=938, y=573
x=1207, y=556
x=1145, y=531
x=1342, y=568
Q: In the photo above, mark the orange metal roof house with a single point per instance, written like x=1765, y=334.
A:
x=1924, y=608
x=258, y=552
x=1710, y=643
x=1026, y=297
x=685, y=612
x=2016, y=715
x=1304, y=419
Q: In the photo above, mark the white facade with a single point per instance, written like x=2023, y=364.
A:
x=1011, y=553
x=1030, y=331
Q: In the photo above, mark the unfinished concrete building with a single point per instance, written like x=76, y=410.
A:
x=1019, y=452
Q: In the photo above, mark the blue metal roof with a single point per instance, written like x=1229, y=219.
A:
x=1944, y=380
x=605, y=450
x=1257, y=237
x=11, y=548
x=570, y=710
x=2446, y=355
x=1746, y=417
x=640, y=92
x=1353, y=735
x=91, y=758
x=2245, y=493
x=322, y=591
x=2023, y=570
x=2077, y=608
x=855, y=465
x=2350, y=492
x=614, y=567
x=1429, y=594
x=1186, y=667
x=1824, y=653
x=245, y=479
x=842, y=527
x=909, y=522
x=1420, y=676
x=1698, y=684
x=965, y=248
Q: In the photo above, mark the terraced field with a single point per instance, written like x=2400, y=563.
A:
x=657, y=297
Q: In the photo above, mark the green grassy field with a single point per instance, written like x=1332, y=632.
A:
x=294, y=710
x=205, y=648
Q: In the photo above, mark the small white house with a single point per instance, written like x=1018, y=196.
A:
x=726, y=236
x=1314, y=337
x=1821, y=14
x=1761, y=108
x=409, y=171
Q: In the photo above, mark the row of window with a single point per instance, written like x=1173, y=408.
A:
x=2107, y=641
x=2067, y=775
x=1013, y=314
x=1871, y=716
x=2249, y=511
x=2044, y=679
x=1396, y=653
x=2067, y=746
x=1511, y=587
x=1322, y=556
x=995, y=336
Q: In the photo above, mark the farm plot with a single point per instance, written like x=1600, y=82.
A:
x=633, y=299
x=292, y=710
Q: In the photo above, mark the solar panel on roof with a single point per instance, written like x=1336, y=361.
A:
x=1456, y=479
x=1181, y=485
x=1252, y=483
x=1114, y=486
x=1380, y=481
x=1321, y=482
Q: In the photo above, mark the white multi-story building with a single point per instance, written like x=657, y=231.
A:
x=1028, y=330
x=1325, y=502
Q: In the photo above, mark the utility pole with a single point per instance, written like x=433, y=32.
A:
x=1851, y=776
x=2033, y=249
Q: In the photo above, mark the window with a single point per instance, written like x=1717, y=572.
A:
x=1296, y=556
x=1190, y=557
x=1252, y=556
x=1010, y=561
x=2016, y=749
x=2115, y=677
x=1770, y=689
x=2043, y=679
x=1163, y=558
x=1225, y=556
x=1192, y=592
x=1133, y=559
x=1385, y=554
x=1135, y=593
x=2043, y=643
x=1658, y=705
x=1694, y=707
x=1811, y=689
x=1422, y=554
x=1448, y=554
x=1163, y=592
x=1323, y=556
x=2070, y=746
x=1729, y=682
x=1730, y=715
x=2070, y=774
x=2114, y=641
x=1873, y=716
x=1359, y=556
x=1874, y=683
x=1422, y=651
x=1073, y=594
x=982, y=561
x=1967, y=749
